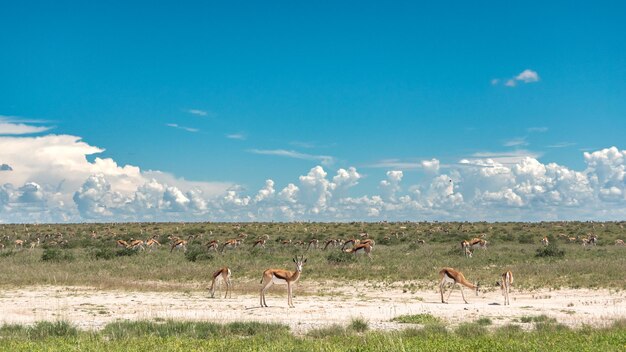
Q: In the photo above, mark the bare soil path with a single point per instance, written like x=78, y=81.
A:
x=317, y=305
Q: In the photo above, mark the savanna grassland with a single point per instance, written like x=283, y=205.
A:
x=407, y=255
x=86, y=254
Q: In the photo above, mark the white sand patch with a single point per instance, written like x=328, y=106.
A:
x=317, y=305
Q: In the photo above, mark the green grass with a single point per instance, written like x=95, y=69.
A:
x=185, y=336
x=359, y=324
x=423, y=319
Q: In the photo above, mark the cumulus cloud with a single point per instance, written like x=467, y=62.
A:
x=53, y=180
x=526, y=76
x=52, y=172
x=266, y=192
x=390, y=187
x=431, y=165
x=507, y=158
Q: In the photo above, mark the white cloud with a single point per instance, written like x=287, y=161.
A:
x=391, y=186
x=561, y=145
x=73, y=188
x=10, y=125
x=345, y=179
x=508, y=158
x=266, y=192
x=431, y=165
x=516, y=142
x=528, y=76
x=52, y=180
x=197, y=112
x=324, y=159
x=188, y=129
x=396, y=164
x=238, y=136
x=289, y=194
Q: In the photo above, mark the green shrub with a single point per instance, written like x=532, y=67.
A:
x=484, y=321
x=550, y=251
x=341, y=258
x=197, y=253
x=56, y=255
x=104, y=253
x=469, y=330
x=359, y=324
x=45, y=329
x=537, y=319
x=8, y=253
x=424, y=319
x=126, y=252
x=526, y=238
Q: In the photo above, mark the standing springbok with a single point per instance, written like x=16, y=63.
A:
x=506, y=280
x=279, y=276
x=225, y=274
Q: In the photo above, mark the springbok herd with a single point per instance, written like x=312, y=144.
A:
x=359, y=244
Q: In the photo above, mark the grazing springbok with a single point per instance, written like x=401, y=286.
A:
x=545, y=241
x=225, y=274
x=332, y=242
x=279, y=276
x=313, y=243
x=451, y=276
x=352, y=241
x=360, y=249
x=213, y=245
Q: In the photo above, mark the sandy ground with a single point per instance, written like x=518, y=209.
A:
x=317, y=305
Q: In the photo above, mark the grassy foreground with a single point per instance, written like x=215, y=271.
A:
x=187, y=336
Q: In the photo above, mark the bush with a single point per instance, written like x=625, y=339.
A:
x=56, y=255
x=44, y=329
x=8, y=253
x=341, y=258
x=359, y=325
x=101, y=253
x=551, y=250
x=484, y=321
x=126, y=252
x=197, y=253
x=526, y=238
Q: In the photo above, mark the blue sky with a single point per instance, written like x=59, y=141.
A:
x=242, y=92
